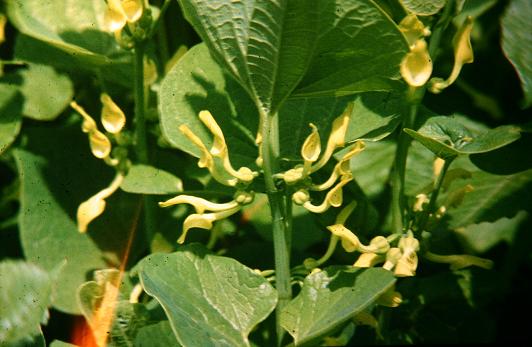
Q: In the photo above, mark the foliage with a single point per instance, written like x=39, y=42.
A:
x=262, y=173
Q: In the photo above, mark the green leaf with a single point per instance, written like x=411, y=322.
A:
x=493, y=197
x=480, y=237
x=359, y=49
x=448, y=137
x=507, y=160
x=516, y=43
x=209, y=300
x=10, y=115
x=46, y=93
x=372, y=167
x=332, y=297
x=473, y=8
x=53, y=184
x=145, y=179
x=156, y=335
x=197, y=83
x=76, y=27
x=25, y=296
x=266, y=45
x=58, y=343
x=423, y=7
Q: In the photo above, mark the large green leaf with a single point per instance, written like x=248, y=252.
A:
x=516, y=42
x=331, y=297
x=448, y=137
x=423, y=7
x=55, y=179
x=46, y=93
x=10, y=115
x=25, y=295
x=76, y=27
x=266, y=45
x=146, y=179
x=156, y=335
x=359, y=49
x=372, y=167
x=493, y=197
x=209, y=300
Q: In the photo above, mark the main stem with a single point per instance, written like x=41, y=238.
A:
x=281, y=237
x=140, y=135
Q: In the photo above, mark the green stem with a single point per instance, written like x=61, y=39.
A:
x=141, y=142
x=398, y=174
x=431, y=208
x=403, y=142
x=270, y=154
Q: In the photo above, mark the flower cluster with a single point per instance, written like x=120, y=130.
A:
x=113, y=121
x=217, y=161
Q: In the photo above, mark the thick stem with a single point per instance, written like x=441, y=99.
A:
x=141, y=142
x=398, y=174
x=270, y=153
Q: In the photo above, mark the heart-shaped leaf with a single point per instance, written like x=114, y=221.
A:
x=359, y=49
x=332, y=297
x=209, y=300
x=448, y=137
x=266, y=45
x=423, y=7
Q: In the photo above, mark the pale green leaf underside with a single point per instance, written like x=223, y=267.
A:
x=146, y=179
x=332, y=297
x=209, y=300
x=10, y=115
x=46, y=92
x=448, y=137
x=517, y=42
x=74, y=26
x=265, y=44
x=25, y=295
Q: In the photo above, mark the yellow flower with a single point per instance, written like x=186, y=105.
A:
x=219, y=150
x=349, y=240
x=369, y=260
x=413, y=29
x=95, y=205
x=416, y=66
x=3, y=21
x=121, y=12
x=113, y=118
x=463, y=54
x=99, y=143
x=407, y=263
x=333, y=198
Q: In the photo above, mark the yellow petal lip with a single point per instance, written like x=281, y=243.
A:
x=204, y=221
x=88, y=211
x=132, y=9
x=333, y=198
x=201, y=205
x=416, y=66
x=100, y=144
x=311, y=149
x=113, y=118
x=206, y=160
x=120, y=12
x=350, y=241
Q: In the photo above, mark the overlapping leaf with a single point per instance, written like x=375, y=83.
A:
x=10, y=115
x=332, y=297
x=209, y=300
x=146, y=179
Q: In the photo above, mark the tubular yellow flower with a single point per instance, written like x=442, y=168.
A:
x=463, y=54
x=390, y=298
x=99, y=143
x=342, y=168
x=350, y=241
x=369, y=260
x=311, y=149
x=113, y=119
x=333, y=198
x=200, y=205
x=413, y=29
x=392, y=257
x=407, y=264
x=121, y=12
x=459, y=261
x=204, y=221
x=336, y=138
x=293, y=175
x=94, y=206
x=378, y=244
x=416, y=66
